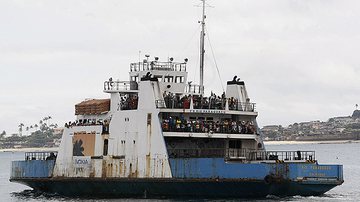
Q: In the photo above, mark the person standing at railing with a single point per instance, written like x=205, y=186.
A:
x=189, y=126
x=204, y=126
x=166, y=99
x=231, y=103
x=178, y=125
x=172, y=123
x=211, y=126
x=217, y=127
x=233, y=127
x=212, y=100
x=243, y=127
x=252, y=129
x=176, y=101
x=239, y=128
x=197, y=126
x=51, y=157
x=165, y=125
x=226, y=126
x=186, y=102
x=183, y=125
x=248, y=105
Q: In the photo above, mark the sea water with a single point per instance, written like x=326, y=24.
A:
x=347, y=154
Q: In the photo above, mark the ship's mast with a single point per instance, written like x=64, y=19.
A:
x=202, y=49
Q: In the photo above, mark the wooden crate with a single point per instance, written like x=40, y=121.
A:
x=94, y=106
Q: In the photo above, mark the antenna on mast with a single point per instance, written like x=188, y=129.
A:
x=202, y=47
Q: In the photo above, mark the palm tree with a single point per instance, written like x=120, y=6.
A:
x=21, y=125
x=36, y=126
x=47, y=118
x=2, y=135
x=30, y=128
x=356, y=106
x=27, y=130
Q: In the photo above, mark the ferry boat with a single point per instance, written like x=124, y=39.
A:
x=160, y=136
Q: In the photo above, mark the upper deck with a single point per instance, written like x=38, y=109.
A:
x=159, y=66
x=175, y=94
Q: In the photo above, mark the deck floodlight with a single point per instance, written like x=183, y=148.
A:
x=156, y=58
x=171, y=59
x=186, y=60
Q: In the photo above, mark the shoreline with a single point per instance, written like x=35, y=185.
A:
x=310, y=142
x=32, y=149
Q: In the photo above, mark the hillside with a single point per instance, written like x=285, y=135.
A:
x=336, y=128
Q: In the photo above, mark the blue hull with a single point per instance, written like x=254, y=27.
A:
x=192, y=178
x=172, y=188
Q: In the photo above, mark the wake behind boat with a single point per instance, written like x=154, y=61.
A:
x=158, y=135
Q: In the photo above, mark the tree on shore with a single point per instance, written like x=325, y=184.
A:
x=39, y=134
x=21, y=125
x=36, y=126
x=2, y=135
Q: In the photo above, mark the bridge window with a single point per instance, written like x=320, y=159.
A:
x=179, y=79
x=135, y=78
x=169, y=79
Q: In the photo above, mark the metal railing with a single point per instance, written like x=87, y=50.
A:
x=218, y=104
x=242, y=106
x=40, y=155
x=241, y=154
x=237, y=153
x=161, y=66
x=208, y=127
x=210, y=153
x=196, y=153
x=160, y=104
x=283, y=155
x=117, y=85
x=173, y=103
x=209, y=103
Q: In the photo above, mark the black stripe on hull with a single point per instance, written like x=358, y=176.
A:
x=171, y=188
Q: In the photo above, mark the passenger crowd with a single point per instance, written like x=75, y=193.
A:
x=128, y=102
x=202, y=126
x=84, y=122
x=199, y=102
x=89, y=122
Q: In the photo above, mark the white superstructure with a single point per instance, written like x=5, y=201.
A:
x=132, y=137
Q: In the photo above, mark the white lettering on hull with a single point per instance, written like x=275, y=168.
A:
x=82, y=161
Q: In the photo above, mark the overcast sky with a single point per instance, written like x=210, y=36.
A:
x=299, y=59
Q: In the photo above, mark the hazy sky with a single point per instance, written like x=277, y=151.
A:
x=299, y=59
